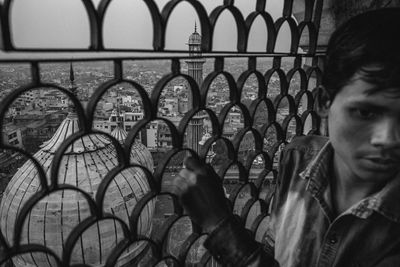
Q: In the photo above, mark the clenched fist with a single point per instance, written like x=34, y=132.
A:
x=200, y=191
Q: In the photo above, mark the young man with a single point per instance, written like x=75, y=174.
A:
x=338, y=199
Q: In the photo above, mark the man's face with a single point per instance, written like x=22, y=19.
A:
x=364, y=128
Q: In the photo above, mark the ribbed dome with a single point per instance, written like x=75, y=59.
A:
x=195, y=38
x=85, y=164
x=139, y=153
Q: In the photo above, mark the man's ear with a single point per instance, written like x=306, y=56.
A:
x=322, y=101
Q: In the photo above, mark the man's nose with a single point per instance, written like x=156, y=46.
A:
x=386, y=134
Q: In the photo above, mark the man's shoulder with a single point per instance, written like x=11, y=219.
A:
x=302, y=149
x=308, y=143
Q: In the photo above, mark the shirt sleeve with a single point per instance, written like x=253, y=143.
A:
x=233, y=245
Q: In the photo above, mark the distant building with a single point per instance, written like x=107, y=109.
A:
x=195, y=70
x=12, y=135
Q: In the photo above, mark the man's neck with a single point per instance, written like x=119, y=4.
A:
x=347, y=188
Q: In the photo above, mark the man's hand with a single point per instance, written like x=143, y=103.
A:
x=201, y=193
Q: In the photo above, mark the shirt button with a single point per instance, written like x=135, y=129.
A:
x=333, y=239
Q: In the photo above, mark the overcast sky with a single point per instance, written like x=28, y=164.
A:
x=63, y=23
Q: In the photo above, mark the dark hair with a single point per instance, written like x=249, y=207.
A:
x=368, y=44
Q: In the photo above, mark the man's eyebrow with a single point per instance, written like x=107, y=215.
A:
x=375, y=89
x=368, y=104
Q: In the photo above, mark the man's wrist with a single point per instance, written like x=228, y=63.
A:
x=210, y=227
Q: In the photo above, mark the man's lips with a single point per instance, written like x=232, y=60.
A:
x=381, y=163
x=383, y=160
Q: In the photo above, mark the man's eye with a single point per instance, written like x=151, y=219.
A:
x=365, y=113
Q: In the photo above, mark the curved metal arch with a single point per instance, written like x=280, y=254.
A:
x=187, y=245
x=242, y=33
x=156, y=93
x=38, y=167
x=242, y=133
x=9, y=99
x=294, y=33
x=207, y=259
x=230, y=154
x=172, y=220
x=103, y=88
x=243, y=173
x=280, y=136
x=318, y=74
x=82, y=227
x=257, y=222
x=160, y=237
x=315, y=121
x=249, y=205
x=269, y=23
x=262, y=176
x=312, y=38
x=282, y=78
x=244, y=76
x=123, y=245
x=238, y=188
x=299, y=124
x=216, y=130
x=270, y=109
x=133, y=133
x=30, y=248
x=105, y=183
x=35, y=198
x=155, y=16
x=184, y=123
x=225, y=111
x=177, y=137
x=255, y=154
x=275, y=148
x=139, y=207
x=291, y=102
x=206, y=147
x=122, y=157
x=234, y=95
x=303, y=77
x=159, y=171
x=206, y=31
x=299, y=97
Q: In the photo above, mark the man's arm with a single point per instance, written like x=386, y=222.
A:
x=201, y=193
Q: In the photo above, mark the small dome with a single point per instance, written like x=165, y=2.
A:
x=84, y=164
x=204, y=139
x=195, y=38
x=140, y=154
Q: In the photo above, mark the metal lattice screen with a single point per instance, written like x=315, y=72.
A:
x=128, y=215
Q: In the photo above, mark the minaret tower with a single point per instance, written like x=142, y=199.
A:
x=72, y=87
x=195, y=70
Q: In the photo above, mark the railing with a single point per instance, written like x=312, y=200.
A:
x=156, y=230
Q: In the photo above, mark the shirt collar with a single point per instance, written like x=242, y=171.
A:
x=386, y=201
x=317, y=171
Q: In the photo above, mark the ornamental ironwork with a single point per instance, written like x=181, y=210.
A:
x=91, y=197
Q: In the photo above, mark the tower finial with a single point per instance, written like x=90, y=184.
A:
x=72, y=87
x=119, y=119
x=71, y=73
x=195, y=26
